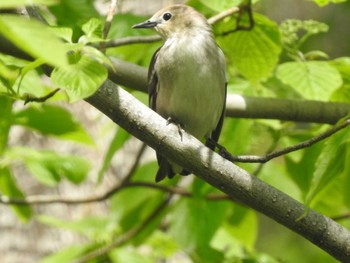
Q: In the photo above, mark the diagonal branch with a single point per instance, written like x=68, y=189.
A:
x=149, y=127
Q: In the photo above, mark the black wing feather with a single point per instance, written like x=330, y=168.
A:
x=164, y=166
x=214, y=137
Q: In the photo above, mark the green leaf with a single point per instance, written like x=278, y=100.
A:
x=53, y=120
x=193, y=224
x=69, y=254
x=49, y=167
x=326, y=2
x=305, y=167
x=29, y=35
x=20, y=3
x=330, y=163
x=220, y=5
x=6, y=121
x=64, y=33
x=81, y=79
x=315, y=80
x=9, y=188
x=91, y=227
x=93, y=31
x=127, y=255
x=254, y=53
x=120, y=137
x=346, y=174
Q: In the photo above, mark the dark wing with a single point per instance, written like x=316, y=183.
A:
x=164, y=166
x=152, y=82
x=212, y=142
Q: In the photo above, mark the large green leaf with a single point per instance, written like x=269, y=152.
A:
x=254, y=53
x=193, y=224
x=326, y=2
x=220, y=5
x=53, y=120
x=9, y=188
x=238, y=235
x=315, y=80
x=80, y=79
x=49, y=167
x=302, y=171
x=91, y=227
x=330, y=163
x=128, y=255
x=34, y=38
x=21, y=3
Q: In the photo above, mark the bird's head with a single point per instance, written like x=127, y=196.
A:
x=175, y=19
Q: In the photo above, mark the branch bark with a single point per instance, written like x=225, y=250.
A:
x=135, y=77
x=140, y=121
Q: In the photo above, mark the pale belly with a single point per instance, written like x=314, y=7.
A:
x=194, y=97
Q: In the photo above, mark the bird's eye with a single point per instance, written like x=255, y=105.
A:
x=166, y=16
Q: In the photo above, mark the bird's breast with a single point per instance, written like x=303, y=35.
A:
x=191, y=86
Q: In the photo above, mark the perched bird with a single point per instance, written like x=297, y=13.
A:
x=186, y=77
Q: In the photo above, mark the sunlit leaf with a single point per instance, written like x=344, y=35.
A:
x=29, y=35
x=315, y=80
x=326, y=2
x=127, y=255
x=255, y=52
x=53, y=120
x=193, y=224
x=80, y=79
x=49, y=167
x=220, y=5
x=21, y=3
x=92, y=227
x=330, y=163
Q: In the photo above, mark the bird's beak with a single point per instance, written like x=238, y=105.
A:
x=146, y=24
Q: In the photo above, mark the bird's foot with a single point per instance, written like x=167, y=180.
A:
x=212, y=144
x=179, y=125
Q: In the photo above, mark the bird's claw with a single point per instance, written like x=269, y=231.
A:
x=178, y=125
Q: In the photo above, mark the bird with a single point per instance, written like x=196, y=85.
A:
x=187, y=82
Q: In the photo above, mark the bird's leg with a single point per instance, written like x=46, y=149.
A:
x=212, y=144
x=178, y=124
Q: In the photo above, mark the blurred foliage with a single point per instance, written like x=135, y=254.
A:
x=193, y=229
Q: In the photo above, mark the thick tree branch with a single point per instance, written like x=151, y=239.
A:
x=135, y=77
x=149, y=127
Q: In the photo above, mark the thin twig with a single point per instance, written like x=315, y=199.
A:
x=30, y=98
x=132, y=40
x=341, y=217
x=108, y=23
x=135, y=164
x=150, y=39
x=52, y=199
x=128, y=235
x=275, y=154
x=214, y=19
